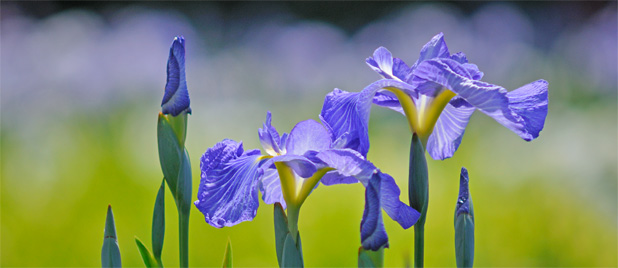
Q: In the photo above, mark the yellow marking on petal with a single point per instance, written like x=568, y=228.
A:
x=264, y=157
x=433, y=111
x=288, y=182
x=409, y=108
x=309, y=184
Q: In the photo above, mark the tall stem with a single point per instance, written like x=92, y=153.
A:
x=293, y=212
x=418, y=192
x=183, y=238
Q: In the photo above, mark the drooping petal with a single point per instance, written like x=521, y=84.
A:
x=373, y=234
x=270, y=186
x=389, y=192
x=307, y=135
x=269, y=137
x=449, y=129
x=176, y=97
x=388, y=67
x=347, y=164
x=521, y=115
x=228, y=188
x=348, y=112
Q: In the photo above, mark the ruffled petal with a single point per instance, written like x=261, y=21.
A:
x=373, y=234
x=269, y=137
x=389, y=192
x=301, y=165
x=176, y=97
x=347, y=163
x=347, y=113
x=228, y=188
x=388, y=67
x=521, y=112
x=435, y=48
x=307, y=135
x=270, y=186
x=449, y=129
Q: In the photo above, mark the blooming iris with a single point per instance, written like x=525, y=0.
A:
x=437, y=94
x=176, y=97
x=292, y=167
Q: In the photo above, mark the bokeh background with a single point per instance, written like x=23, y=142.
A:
x=81, y=85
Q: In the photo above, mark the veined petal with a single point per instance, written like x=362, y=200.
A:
x=269, y=137
x=388, y=67
x=373, y=234
x=300, y=164
x=176, y=97
x=348, y=112
x=435, y=48
x=387, y=99
x=530, y=103
x=270, y=186
x=522, y=114
x=449, y=129
x=347, y=163
x=307, y=135
x=228, y=188
x=474, y=71
x=389, y=192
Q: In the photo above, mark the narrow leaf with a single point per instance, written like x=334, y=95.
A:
x=110, y=254
x=158, y=223
x=227, y=256
x=281, y=231
x=184, y=187
x=291, y=255
x=170, y=152
x=147, y=257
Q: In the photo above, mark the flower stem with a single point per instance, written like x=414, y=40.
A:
x=418, y=192
x=293, y=213
x=183, y=238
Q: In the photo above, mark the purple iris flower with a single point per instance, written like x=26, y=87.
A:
x=292, y=167
x=437, y=94
x=176, y=97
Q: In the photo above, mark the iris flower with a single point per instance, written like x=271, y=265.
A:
x=437, y=94
x=292, y=167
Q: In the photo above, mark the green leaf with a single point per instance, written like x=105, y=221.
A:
x=149, y=260
x=418, y=183
x=281, y=231
x=291, y=254
x=170, y=152
x=184, y=187
x=110, y=254
x=179, y=125
x=227, y=256
x=158, y=223
x=464, y=240
x=370, y=259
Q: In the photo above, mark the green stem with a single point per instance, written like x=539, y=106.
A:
x=418, y=192
x=293, y=212
x=183, y=238
x=419, y=241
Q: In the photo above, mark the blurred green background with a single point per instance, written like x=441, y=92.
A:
x=81, y=85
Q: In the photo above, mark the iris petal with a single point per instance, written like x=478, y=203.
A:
x=382, y=62
x=300, y=164
x=270, y=186
x=347, y=163
x=269, y=137
x=228, y=189
x=435, y=48
x=463, y=201
x=176, y=97
x=521, y=111
x=449, y=129
x=389, y=192
x=373, y=234
x=348, y=112
x=307, y=135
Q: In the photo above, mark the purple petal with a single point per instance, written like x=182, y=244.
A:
x=176, y=97
x=389, y=199
x=523, y=112
x=463, y=200
x=435, y=48
x=387, y=99
x=300, y=164
x=373, y=234
x=449, y=129
x=228, y=189
x=382, y=62
x=347, y=113
x=307, y=135
x=270, y=186
x=269, y=137
x=347, y=163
